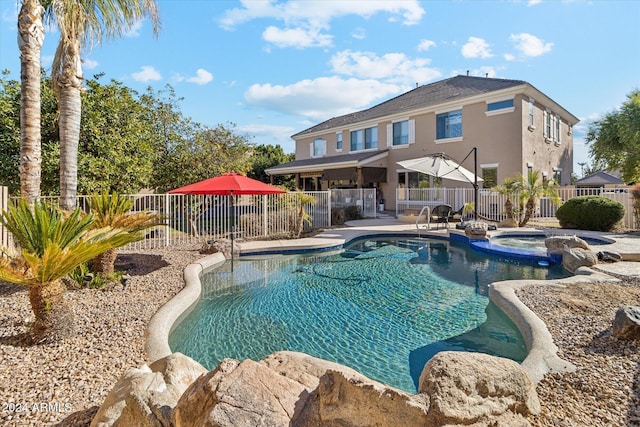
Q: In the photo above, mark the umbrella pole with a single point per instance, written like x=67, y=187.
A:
x=233, y=228
x=475, y=183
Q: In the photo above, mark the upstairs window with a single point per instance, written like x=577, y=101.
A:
x=547, y=124
x=318, y=147
x=401, y=133
x=501, y=105
x=339, y=141
x=449, y=125
x=364, y=139
x=489, y=177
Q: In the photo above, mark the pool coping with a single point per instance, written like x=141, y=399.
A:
x=541, y=357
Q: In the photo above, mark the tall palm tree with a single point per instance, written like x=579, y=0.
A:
x=114, y=210
x=30, y=40
x=531, y=189
x=53, y=243
x=82, y=24
x=508, y=189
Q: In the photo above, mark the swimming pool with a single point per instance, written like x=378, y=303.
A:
x=383, y=306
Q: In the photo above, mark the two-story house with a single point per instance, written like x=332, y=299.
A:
x=515, y=127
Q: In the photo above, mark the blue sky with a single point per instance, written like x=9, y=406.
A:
x=274, y=68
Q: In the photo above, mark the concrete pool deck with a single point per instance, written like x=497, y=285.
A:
x=542, y=357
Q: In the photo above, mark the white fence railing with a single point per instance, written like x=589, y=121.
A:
x=198, y=218
x=491, y=203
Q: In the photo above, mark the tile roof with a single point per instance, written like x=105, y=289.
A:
x=317, y=161
x=601, y=178
x=458, y=87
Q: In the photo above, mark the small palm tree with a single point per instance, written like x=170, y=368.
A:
x=530, y=190
x=114, y=210
x=508, y=189
x=53, y=243
x=302, y=215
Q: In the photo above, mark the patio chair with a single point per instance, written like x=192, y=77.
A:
x=441, y=214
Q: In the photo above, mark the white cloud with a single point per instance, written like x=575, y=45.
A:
x=509, y=57
x=359, y=33
x=278, y=134
x=147, y=73
x=134, y=31
x=202, y=77
x=320, y=12
x=392, y=67
x=296, y=37
x=476, y=48
x=529, y=45
x=533, y=2
x=425, y=45
x=89, y=64
x=320, y=98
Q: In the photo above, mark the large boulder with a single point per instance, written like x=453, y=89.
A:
x=476, y=229
x=626, y=324
x=474, y=388
x=240, y=394
x=574, y=258
x=556, y=244
x=144, y=396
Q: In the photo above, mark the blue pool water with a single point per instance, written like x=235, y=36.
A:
x=381, y=306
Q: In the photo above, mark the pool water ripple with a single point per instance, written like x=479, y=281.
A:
x=381, y=307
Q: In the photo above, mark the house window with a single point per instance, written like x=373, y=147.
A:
x=339, y=141
x=364, y=139
x=531, y=105
x=371, y=138
x=489, y=177
x=318, y=147
x=556, y=135
x=547, y=124
x=356, y=140
x=557, y=175
x=501, y=105
x=401, y=133
x=449, y=125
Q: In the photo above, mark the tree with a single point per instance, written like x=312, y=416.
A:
x=30, y=39
x=530, y=190
x=615, y=139
x=207, y=153
x=266, y=156
x=114, y=211
x=53, y=244
x=509, y=189
x=83, y=23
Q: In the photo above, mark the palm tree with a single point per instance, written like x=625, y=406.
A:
x=302, y=216
x=530, y=190
x=30, y=39
x=508, y=189
x=53, y=243
x=113, y=210
x=83, y=23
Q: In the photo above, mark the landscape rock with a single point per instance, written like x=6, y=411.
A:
x=221, y=245
x=474, y=388
x=239, y=394
x=508, y=223
x=476, y=229
x=608, y=256
x=574, y=258
x=626, y=324
x=144, y=396
x=556, y=244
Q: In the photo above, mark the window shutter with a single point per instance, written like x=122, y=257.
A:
x=412, y=131
x=544, y=124
x=389, y=135
x=311, y=149
x=324, y=147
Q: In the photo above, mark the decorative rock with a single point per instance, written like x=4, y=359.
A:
x=607, y=256
x=467, y=388
x=476, y=229
x=572, y=259
x=144, y=397
x=238, y=394
x=508, y=223
x=556, y=244
x=626, y=324
x=221, y=245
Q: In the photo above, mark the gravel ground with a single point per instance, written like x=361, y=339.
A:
x=64, y=384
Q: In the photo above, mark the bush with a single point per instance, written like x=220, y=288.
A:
x=352, y=212
x=590, y=213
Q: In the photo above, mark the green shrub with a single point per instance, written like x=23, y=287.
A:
x=352, y=212
x=590, y=213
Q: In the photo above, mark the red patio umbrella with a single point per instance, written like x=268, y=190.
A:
x=229, y=184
